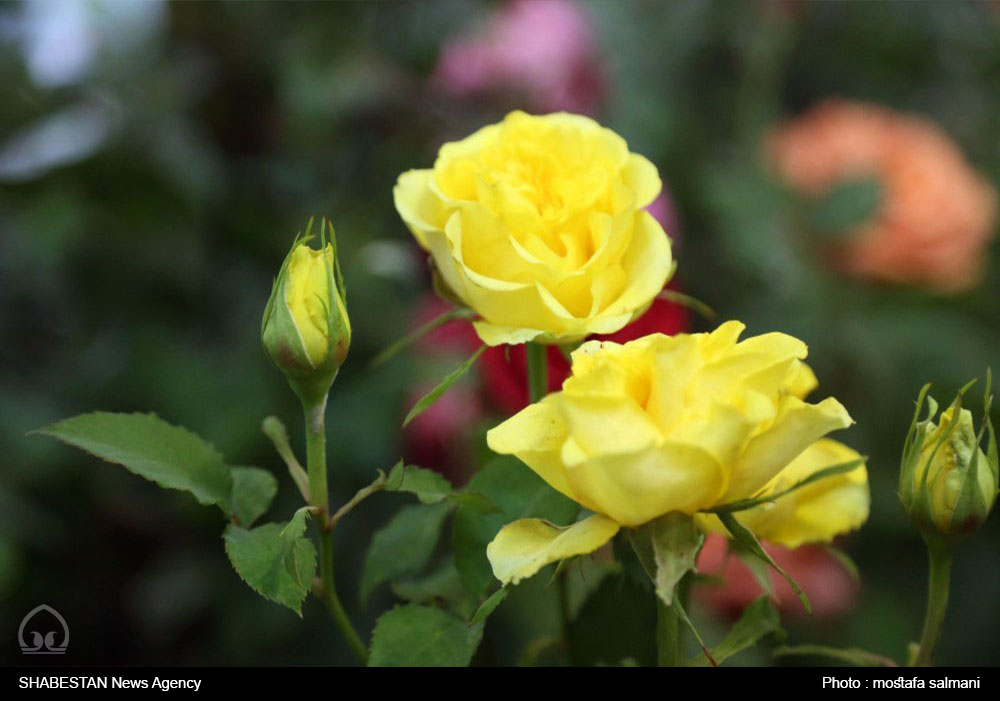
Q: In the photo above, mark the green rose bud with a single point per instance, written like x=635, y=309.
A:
x=948, y=483
x=305, y=330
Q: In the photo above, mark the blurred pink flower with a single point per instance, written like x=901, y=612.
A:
x=440, y=438
x=829, y=586
x=543, y=49
x=663, y=210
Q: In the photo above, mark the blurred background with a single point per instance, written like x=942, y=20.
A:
x=830, y=171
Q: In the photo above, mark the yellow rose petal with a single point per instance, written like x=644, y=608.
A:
x=420, y=208
x=634, y=488
x=535, y=435
x=523, y=547
x=816, y=513
x=797, y=426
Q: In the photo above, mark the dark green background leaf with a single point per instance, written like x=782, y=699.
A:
x=849, y=204
x=616, y=624
x=422, y=636
x=516, y=492
x=404, y=545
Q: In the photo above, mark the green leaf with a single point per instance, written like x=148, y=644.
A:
x=748, y=540
x=759, y=619
x=425, y=402
x=422, y=636
x=846, y=206
x=853, y=655
x=846, y=561
x=760, y=570
x=483, y=612
x=253, y=492
x=442, y=586
x=275, y=560
x=404, y=545
x=411, y=338
x=276, y=431
x=515, y=492
x=428, y=486
x=148, y=446
x=676, y=542
x=615, y=623
x=744, y=504
x=686, y=620
x=688, y=301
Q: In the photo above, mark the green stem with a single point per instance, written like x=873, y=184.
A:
x=333, y=602
x=937, y=602
x=316, y=455
x=538, y=371
x=670, y=628
x=316, y=466
x=537, y=357
x=669, y=652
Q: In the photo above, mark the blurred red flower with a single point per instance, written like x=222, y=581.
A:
x=828, y=584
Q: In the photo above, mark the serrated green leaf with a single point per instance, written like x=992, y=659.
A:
x=148, y=446
x=852, y=655
x=425, y=402
x=404, y=545
x=422, y=636
x=748, y=540
x=428, y=486
x=489, y=606
x=253, y=492
x=846, y=206
x=515, y=492
x=760, y=618
x=275, y=560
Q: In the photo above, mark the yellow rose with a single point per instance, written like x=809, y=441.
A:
x=305, y=330
x=664, y=424
x=815, y=513
x=537, y=224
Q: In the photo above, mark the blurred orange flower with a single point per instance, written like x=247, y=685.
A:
x=936, y=215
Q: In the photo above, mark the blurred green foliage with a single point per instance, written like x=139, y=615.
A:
x=133, y=275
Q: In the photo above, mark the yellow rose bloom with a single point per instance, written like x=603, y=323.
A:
x=673, y=423
x=538, y=224
x=815, y=513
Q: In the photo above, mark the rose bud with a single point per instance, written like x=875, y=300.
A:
x=305, y=330
x=947, y=483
